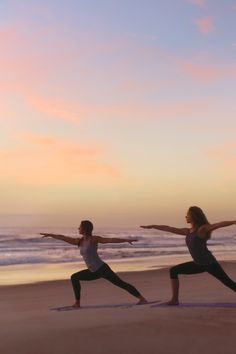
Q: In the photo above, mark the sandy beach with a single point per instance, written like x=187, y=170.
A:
x=108, y=323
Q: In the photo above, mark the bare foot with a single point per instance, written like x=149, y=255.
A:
x=172, y=303
x=76, y=305
x=142, y=301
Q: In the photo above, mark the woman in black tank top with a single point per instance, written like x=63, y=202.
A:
x=196, y=240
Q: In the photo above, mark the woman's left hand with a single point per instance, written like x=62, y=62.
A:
x=131, y=241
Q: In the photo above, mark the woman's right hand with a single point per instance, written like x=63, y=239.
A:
x=46, y=235
x=146, y=226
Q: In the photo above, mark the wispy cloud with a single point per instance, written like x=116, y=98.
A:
x=61, y=145
x=45, y=160
x=225, y=156
x=205, y=25
x=47, y=107
x=206, y=72
x=51, y=107
x=54, y=108
x=197, y=2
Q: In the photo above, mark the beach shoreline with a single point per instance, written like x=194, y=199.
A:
x=34, y=273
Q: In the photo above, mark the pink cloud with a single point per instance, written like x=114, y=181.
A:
x=50, y=107
x=139, y=86
x=205, y=25
x=7, y=34
x=197, y=2
x=54, y=108
x=205, y=72
x=131, y=110
x=53, y=104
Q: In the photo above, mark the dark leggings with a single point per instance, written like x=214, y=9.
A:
x=103, y=272
x=214, y=269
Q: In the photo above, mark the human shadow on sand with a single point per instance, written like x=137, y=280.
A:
x=105, y=306
x=200, y=304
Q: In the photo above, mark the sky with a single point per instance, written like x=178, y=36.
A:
x=118, y=111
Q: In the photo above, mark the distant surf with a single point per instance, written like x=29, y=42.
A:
x=19, y=246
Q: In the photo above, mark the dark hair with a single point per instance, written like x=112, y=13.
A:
x=198, y=217
x=87, y=226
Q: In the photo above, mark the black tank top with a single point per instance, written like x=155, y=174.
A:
x=198, y=249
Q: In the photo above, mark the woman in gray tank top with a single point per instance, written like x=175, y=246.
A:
x=196, y=240
x=96, y=268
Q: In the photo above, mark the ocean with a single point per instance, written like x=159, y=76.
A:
x=25, y=246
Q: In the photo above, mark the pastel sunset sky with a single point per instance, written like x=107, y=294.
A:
x=118, y=111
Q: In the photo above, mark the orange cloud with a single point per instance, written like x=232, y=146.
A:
x=205, y=25
x=54, y=108
x=46, y=160
x=61, y=145
x=225, y=155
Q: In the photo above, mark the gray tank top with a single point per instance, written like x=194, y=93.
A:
x=198, y=249
x=88, y=251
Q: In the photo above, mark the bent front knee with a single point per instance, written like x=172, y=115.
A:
x=173, y=273
x=73, y=277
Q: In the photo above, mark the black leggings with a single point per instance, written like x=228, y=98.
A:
x=214, y=269
x=103, y=272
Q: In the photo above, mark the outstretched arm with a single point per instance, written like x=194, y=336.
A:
x=211, y=227
x=71, y=240
x=100, y=239
x=173, y=230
